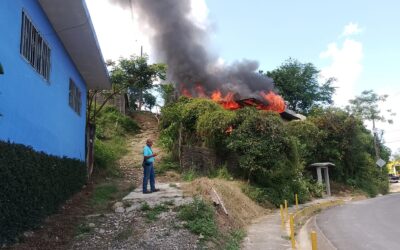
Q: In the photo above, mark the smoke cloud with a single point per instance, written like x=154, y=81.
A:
x=180, y=43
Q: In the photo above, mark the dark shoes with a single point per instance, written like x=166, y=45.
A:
x=149, y=192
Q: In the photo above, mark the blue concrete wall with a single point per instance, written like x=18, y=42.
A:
x=34, y=111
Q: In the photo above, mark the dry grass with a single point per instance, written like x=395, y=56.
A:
x=241, y=209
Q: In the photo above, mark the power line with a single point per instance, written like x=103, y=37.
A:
x=393, y=141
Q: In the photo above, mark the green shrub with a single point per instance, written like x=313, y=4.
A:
x=33, y=185
x=110, y=144
x=189, y=175
x=234, y=239
x=167, y=164
x=102, y=194
x=200, y=218
x=221, y=172
x=152, y=213
x=110, y=122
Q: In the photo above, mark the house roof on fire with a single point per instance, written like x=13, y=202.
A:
x=291, y=115
x=71, y=21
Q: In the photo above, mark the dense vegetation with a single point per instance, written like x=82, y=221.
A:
x=272, y=154
x=111, y=130
x=33, y=185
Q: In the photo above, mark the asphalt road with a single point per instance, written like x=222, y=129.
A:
x=368, y=224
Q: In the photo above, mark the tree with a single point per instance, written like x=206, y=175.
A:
x=133, y=73
x=299, y=85
x=366, y=106
x=137, y=75
x=149, y=100
x=167, y=92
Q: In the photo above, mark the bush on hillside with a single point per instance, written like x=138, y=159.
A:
x=33, y=185
x=349, y=145
x=272, y=154
x=111, y=130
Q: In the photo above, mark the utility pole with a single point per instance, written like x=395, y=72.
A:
x=141, y=91
x=377, y=153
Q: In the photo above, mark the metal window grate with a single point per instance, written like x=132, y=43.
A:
x=34, y=48
x=75, y=100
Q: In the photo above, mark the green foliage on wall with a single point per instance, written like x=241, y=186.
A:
x=33, y=185
x=272, y=154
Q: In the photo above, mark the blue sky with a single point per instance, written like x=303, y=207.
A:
x=356, y=41
x=272, y=31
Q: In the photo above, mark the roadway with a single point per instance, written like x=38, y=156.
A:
x=372, y=224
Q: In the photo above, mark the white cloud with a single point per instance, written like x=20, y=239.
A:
x=346, y=67
x=352, y=29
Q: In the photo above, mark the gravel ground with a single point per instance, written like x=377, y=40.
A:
x=133, y=231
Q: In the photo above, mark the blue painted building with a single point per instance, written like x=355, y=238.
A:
x=51, y=57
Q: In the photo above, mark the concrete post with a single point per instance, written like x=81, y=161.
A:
x=328, y=186
x=319, y=175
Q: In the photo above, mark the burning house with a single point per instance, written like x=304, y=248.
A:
x=183, y=45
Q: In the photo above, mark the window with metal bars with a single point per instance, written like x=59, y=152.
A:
x=75, y=101
x=34, y=48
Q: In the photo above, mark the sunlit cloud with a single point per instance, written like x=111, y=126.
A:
x=352, y=29
x=345, y=66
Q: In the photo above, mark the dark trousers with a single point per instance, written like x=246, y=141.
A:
x=148, y=173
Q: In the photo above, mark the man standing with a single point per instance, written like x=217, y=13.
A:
x=148, y=167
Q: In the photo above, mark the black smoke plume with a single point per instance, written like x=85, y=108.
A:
x=180, y=43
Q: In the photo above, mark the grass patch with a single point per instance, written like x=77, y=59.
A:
x=257, y=194
x=169, y=203
x=200, y=218
x=234, y=239
x=153, y=214
x=221, y=173
x=167, y=164
x=145, y=207
x=103, y=194
x=189, y=175
x=110, y=143
x=82, y=229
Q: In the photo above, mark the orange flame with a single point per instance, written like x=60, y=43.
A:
x=275, y=102
x=227, y=101
x=186, y=92
x=229, y=130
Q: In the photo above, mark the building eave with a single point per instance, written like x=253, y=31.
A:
x=71, y=21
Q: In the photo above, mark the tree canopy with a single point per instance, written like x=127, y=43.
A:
x=366, y=106
x=136, y=75
x=299, y=85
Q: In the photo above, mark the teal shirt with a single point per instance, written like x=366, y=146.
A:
x=147, y=152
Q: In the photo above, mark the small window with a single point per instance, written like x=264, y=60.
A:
x=75, y=97
x=34, y=48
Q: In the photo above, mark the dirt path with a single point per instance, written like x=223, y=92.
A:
x=130, y=164
x=139, y=221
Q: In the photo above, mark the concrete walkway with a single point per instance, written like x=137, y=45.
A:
x=267, y=233
x=168, y=192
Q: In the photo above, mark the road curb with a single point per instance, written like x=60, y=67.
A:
x=302, y=217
